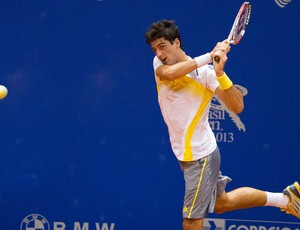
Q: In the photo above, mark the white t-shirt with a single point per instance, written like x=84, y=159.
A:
x=185, y=104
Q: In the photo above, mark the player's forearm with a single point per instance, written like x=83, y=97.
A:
x=232, y=98
x=178, y=70
x=235, y=100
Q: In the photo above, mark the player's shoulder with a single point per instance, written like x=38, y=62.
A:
x=156, y=62
x=206, y=69
x=207, y=73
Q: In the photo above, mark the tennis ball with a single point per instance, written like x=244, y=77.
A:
x=3, y=91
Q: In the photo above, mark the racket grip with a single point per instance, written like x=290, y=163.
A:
x=217, y=59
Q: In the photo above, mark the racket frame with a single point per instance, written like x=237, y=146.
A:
x=245, y=6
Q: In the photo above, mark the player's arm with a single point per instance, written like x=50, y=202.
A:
x=227, y=92
x=181, y=69
x=178, y=70
x=232, y=98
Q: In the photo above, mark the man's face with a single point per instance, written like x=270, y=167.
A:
x=165, y=51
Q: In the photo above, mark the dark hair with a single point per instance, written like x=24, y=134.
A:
x=163, y=29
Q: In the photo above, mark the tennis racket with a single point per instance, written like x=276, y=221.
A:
x=239, y=26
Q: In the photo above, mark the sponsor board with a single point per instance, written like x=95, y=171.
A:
x=231, y=224
x=39, y=222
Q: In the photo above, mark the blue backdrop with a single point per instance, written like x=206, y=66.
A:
x=83, y=143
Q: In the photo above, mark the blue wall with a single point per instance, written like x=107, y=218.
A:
x=82, y=137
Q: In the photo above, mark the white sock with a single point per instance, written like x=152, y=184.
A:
x=277, y=200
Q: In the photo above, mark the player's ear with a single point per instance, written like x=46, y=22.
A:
x=177, y=42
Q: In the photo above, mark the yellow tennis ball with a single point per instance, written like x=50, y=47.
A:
x=3, y=91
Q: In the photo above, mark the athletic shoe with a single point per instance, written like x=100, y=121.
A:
x=293, y=193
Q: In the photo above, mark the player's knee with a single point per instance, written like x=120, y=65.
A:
x=222, y=206
x=223, y=203
x=219, y=208
x=189, y=224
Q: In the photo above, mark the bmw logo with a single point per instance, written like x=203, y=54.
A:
x=35, y=222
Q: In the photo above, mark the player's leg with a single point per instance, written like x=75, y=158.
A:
x=201, y=178
x=192, y=224
x=240, y=198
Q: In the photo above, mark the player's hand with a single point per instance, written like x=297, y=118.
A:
x=219, y=66
x=223, y=46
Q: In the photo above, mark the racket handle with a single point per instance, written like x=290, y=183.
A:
x=217, y=59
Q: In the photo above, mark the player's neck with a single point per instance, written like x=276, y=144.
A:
x=182, y=56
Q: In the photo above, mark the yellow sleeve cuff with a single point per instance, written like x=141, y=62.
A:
x=224, y=81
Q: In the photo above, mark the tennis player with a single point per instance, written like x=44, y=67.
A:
x=185, y=88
